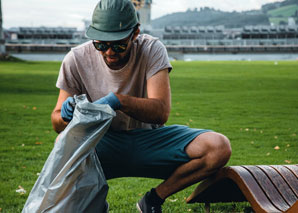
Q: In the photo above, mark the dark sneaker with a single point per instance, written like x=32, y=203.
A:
x=144, y=207
x=106, y=209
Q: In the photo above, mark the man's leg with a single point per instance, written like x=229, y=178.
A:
x=157, y=153
x=209, y=152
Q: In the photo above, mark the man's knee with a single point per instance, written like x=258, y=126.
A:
x=213, y=147
x=220, y=150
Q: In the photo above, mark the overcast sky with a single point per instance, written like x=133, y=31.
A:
x=70, y=13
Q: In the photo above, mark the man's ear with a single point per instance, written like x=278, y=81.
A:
x=136, y=33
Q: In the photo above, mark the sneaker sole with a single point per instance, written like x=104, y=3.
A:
x=138, y=207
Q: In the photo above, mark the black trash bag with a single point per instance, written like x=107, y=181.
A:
x=72, y=179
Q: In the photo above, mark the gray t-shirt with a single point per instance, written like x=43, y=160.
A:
x=83, y=71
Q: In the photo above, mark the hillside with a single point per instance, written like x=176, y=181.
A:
x=271, y=6
x=209, y=16
x=277, y=13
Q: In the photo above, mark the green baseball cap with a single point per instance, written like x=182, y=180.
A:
x=112, y=20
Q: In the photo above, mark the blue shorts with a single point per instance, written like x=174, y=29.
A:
x=153, y=153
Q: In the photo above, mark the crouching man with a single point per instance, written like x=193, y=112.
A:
x=130, y=72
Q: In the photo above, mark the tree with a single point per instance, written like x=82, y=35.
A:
x=2, y=41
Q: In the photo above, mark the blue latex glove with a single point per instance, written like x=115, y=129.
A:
x=67, y=109
x=110, y=99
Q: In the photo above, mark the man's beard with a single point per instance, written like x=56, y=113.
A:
x=120, y=63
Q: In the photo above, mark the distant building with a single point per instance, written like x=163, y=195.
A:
x=219, y=35
x=291, y=22
x=191, y=35
x=43, y=35
x=270, y=32
x=143, y=8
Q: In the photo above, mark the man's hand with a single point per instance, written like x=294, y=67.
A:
x=110, y=99
x=67, y=109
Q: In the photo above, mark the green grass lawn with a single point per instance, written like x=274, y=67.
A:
x=254, y=103
x=277, y=20
x=282, y=14
x=286, y=11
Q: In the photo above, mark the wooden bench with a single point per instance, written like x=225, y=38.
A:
x=267, y=188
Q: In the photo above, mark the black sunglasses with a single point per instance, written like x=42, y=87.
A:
x=117, y=46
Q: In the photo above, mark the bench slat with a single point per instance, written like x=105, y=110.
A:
x=293, y=209
x=293, y=168
x=268, y=188
x=280, y=184
x=289, y=178
x=254, y=193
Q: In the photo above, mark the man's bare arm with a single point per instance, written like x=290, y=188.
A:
x=154, y=109
x=58, y=123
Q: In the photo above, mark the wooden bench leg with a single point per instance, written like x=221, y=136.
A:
x=207, y=207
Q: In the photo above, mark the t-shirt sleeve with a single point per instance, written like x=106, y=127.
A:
x=69, y=79
x=157, y=59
